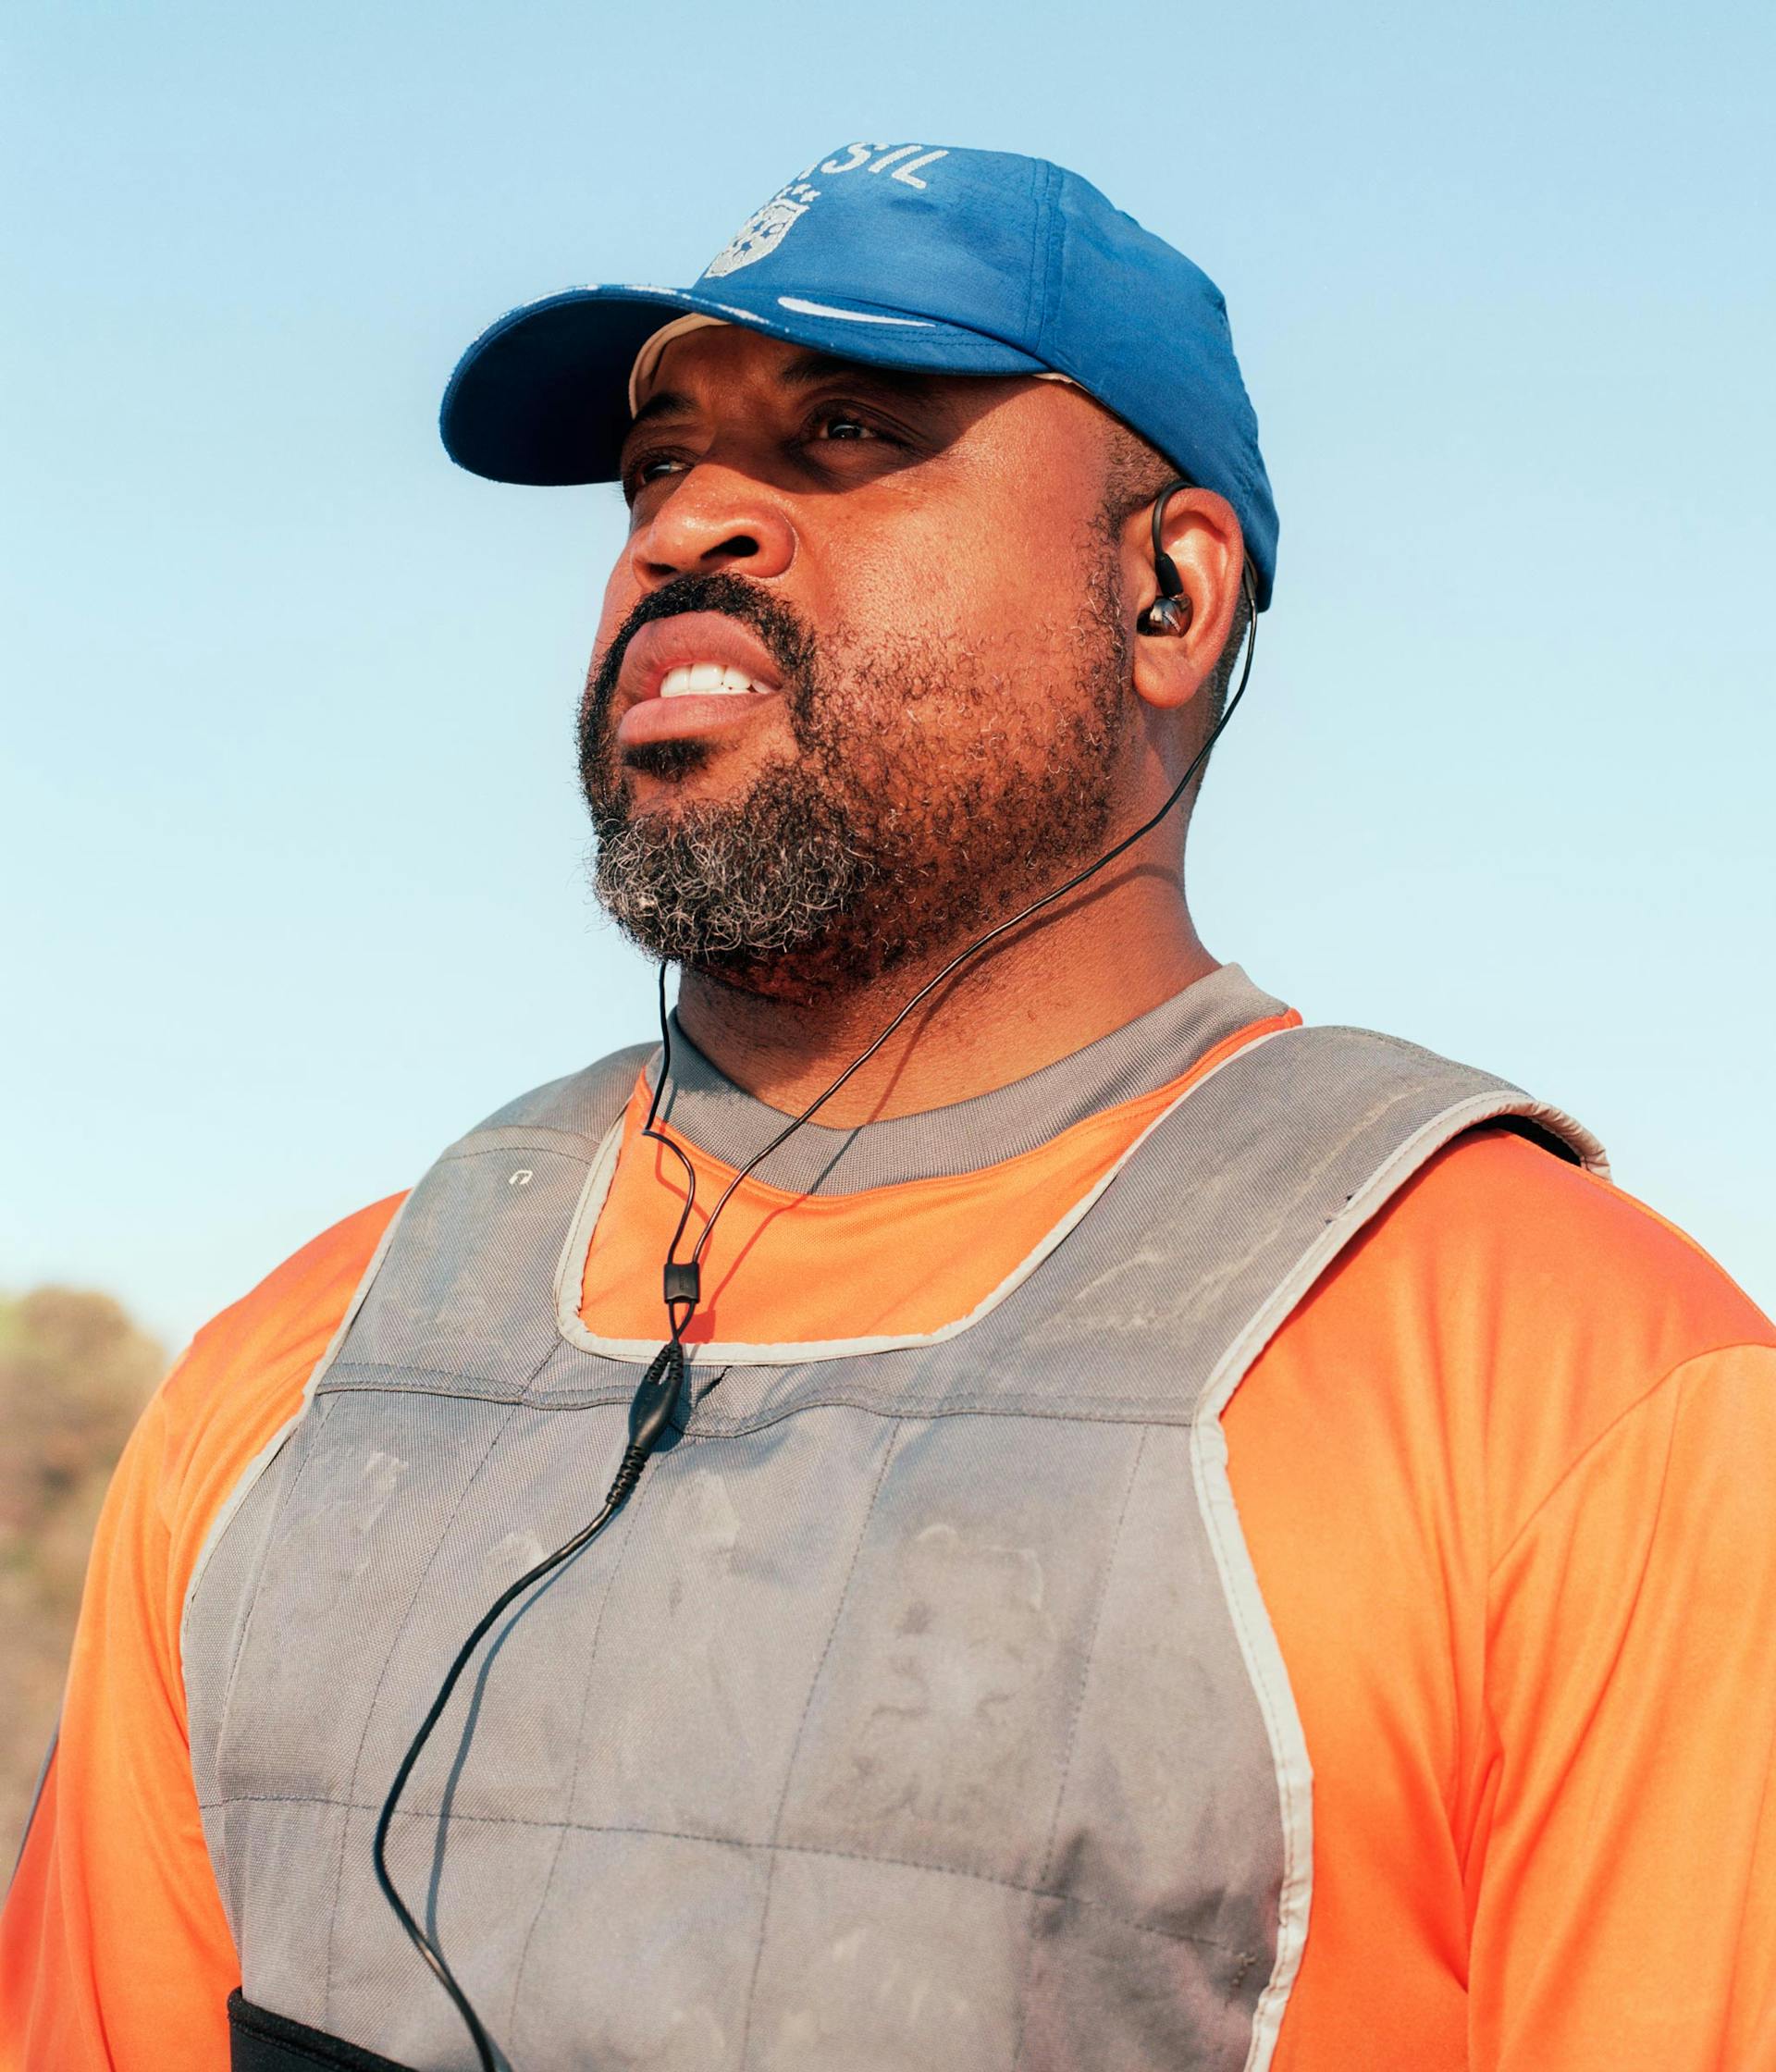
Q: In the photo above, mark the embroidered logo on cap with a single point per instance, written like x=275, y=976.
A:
x=765, y=228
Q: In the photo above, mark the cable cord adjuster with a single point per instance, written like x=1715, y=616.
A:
x=682, y=1280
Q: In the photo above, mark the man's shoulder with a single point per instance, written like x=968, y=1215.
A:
x=244, y=1373
x=1522, y=1308
x=248, y=1367
x=1523, y=1229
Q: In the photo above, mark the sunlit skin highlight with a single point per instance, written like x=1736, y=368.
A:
x=891, y=514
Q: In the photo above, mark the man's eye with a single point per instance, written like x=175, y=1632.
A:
x=836, y=424
x=832, y=425
x=646, y=468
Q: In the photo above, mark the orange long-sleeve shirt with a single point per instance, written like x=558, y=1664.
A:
x=1509, y=1480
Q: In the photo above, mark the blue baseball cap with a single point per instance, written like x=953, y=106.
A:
x=904, y=255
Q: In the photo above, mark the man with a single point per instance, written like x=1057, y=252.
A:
x=1150, y=1535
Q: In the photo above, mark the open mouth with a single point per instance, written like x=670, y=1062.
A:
x=695, y=673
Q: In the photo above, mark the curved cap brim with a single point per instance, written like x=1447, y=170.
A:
x=542, y=396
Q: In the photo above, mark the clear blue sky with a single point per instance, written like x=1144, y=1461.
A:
x=289, y=830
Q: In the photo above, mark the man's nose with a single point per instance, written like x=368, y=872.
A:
x=716, y=520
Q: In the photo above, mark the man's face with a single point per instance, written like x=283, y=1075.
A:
x=861, y=680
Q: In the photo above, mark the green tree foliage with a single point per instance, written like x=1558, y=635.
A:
x=74, y=1375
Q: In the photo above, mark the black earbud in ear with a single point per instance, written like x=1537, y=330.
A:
x=1170, y=611
x=1164, y=615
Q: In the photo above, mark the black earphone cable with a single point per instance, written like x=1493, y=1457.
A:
x=421, y=1941
x=657, y=1395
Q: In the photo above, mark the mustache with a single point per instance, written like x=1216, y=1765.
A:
x=787, y=639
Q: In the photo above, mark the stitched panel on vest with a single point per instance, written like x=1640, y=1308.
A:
x=801, y=1745
x=468, y=1293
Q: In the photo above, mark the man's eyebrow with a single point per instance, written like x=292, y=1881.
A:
x=806, y=370
x=663, y=402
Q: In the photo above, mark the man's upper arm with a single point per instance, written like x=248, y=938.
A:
x=1624, y=1887
x=114, y=1949
x=113, y=1946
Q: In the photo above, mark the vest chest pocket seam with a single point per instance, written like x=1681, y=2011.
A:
x=286, y=1496
x=889, y=1451
x=414, y=1383
x=370, y=1712
x=774, y=1847
x=573, y=1783
x=1087, y=1653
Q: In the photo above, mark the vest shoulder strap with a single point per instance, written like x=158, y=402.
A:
x=1279, y=1160
x=584, y=1104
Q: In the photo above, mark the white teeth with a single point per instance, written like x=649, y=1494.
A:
x=704, y=680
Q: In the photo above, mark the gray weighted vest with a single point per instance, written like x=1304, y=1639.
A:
x=920, y=1710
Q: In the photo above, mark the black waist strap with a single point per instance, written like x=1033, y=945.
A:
x=262, y=2042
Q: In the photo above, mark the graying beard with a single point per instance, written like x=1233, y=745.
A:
x=766, y=892
x=727, y=883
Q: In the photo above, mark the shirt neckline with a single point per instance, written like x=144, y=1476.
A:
x=727, y=1123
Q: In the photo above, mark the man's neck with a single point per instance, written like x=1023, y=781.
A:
x=1096, y=961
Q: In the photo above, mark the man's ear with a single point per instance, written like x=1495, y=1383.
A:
x=1202, y=535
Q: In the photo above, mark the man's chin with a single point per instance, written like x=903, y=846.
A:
x=751, y=891
x=838, y=966
x=668, y=762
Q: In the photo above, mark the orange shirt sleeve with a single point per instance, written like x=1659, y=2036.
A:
x=114, y=1948
x=1509, y=1480
x=1624, y=1870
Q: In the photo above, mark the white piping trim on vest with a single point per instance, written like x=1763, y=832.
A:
x=570, y=1272
x=267, y=1453
x=1269, y=1676
x=1252, y=1624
